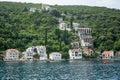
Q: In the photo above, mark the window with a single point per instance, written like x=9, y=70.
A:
x=79, y=54
x=41, y=55
x=28, y=54
x=76, y=53
x=72, y=54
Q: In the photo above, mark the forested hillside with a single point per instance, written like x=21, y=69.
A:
x=20, y=28
x=104, y=22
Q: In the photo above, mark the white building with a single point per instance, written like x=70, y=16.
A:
x=84, y=42
x=32, y=9
x=28, y=54
x=76, y=26
x=85, y=37
x=64, y=26
x=107, y=54
x=75, y=54
x=45, y=7
x=60, y=19
x=11, y=54
x=55, y=56
x=40, y=50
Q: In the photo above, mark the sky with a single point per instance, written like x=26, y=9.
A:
x=101, y=3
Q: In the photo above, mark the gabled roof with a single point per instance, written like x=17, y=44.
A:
x=12, y=50
x=55, y=53
x=107, y=52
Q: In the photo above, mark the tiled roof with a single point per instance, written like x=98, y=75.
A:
x=107, y=52
x=11, y=50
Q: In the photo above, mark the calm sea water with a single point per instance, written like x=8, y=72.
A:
x=60, y=70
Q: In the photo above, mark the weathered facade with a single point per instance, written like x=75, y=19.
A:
x=85, y=37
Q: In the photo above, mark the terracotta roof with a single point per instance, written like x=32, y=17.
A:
x=11, y=50
x=107, y=52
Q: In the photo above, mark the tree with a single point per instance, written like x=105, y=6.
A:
x=46, y=32
x=55, y=13
x=117, y=46
x=65, y=55
x=20, y=55
x=25, y=9
x=36, y=56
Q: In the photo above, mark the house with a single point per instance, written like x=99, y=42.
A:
x=117, y=54
x=87, y=51
x=28, y=54
x=107, y=54
x=11, y=54
x=46, y=7
x=76, y=26
x=86, y=42
x=41, y=50
x=60, y=19
x=55, y=56
x=31, y=51
x=75, y=54
x=32, y=9
x=85, y=37
x=64, y=26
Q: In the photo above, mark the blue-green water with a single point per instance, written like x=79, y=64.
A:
x=60, y=70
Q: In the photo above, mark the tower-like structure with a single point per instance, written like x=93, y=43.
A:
x=85, y=37
x=45, y=7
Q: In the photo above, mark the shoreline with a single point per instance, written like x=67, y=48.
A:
x=89, y=59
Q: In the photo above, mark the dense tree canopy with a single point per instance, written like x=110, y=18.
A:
x=105, y=24
x=20, y=28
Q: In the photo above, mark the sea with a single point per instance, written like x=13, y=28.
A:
x=60, y=70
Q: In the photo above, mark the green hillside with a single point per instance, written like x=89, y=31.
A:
x=104, y=22
x=20, y=28
x=14, y=5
